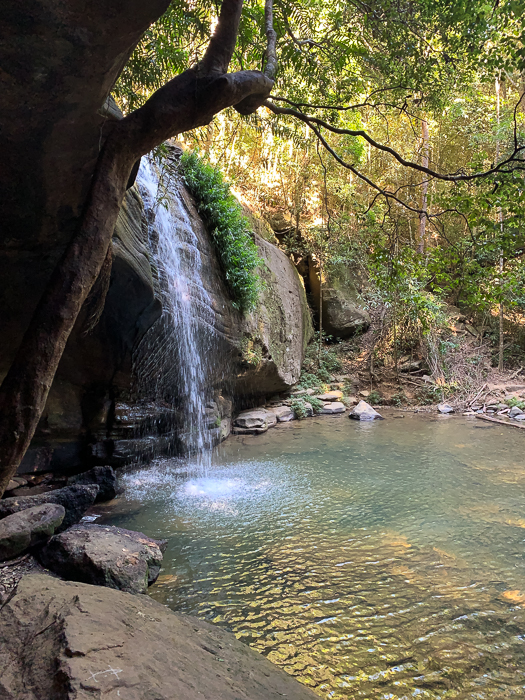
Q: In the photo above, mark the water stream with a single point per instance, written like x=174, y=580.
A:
x=382, y=560
x=178, y=367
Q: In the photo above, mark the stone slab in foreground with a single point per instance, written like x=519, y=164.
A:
x=63, y=641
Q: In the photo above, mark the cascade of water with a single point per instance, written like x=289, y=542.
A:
x=178, y=366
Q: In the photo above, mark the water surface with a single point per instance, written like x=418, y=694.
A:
x=369, y=560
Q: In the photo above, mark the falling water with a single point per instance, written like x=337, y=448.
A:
x=174, y=354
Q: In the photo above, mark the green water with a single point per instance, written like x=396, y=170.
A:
x=369, y=560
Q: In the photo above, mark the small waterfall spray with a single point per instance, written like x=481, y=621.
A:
x=177, y=367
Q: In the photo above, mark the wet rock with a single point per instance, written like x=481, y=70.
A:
x=76, y=499
x=104, y=477
x=283, y=413
x=445, y=408
x=363, y=411
x=258, y=420
x=515, y=411
x=21, y=530
x=225, y=428
x=333, y=407
x=330, y=396
x=72, y=641
x=105, y=556
x=520, y=416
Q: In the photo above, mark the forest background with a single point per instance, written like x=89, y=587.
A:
x=429, y=85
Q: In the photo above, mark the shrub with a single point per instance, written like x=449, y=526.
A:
x=375, y=398
x=399, y=399
x=298, y=406
x=228, y=227
x=513, y=401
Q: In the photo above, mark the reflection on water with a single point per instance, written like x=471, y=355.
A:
x=383, y=560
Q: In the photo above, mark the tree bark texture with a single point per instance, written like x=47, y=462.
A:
x=424, y=190
x=188, y=101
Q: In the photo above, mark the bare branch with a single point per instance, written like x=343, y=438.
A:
x=456, y=177
x=270, y=68
x=222, y=44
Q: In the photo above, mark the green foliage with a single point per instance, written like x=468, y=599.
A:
x=513, y=401
x=251, y=351
x=399, y=399
x=375, y=398
x=229, y=229
x=316, y=404
x=308, y=380
x=429, y=395
x=298, y=406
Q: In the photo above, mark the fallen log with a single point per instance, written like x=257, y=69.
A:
x=501, y=422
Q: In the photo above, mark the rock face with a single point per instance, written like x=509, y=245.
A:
x=89, y=416
x=69, y=641
x=343, y=312
x=75, y=499
x=105, y=556
x=21, y=530
x=363, y=411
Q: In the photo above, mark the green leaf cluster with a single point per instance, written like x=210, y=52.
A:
x=229, y=229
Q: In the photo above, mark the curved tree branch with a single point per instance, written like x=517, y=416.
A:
x=456, y=177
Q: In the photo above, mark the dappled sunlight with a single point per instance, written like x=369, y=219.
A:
x=377, y=563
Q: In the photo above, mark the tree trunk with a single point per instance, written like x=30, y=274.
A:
x=424, y=190
x=186, y=102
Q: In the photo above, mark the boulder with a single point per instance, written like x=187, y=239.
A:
x=69, y=641
x=330, y=396
x=257, y=420
x=515, y=411
x=333, y=407
x=344, y=312
x=76, y=499
x=104, y=477
x=105, y=556
x=445, y=408
x=363, y=411
x=283, y=413
x=21, y=530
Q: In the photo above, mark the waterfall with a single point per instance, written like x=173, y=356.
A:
x=174, y=355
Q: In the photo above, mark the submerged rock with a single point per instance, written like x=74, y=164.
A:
x=72, y=641
x=76, y=499
x=104, y=477
x=445, y=408
x=21, y=530
x=105, y=556
x=364, y=411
